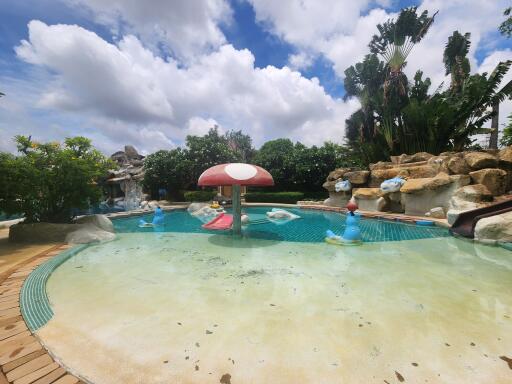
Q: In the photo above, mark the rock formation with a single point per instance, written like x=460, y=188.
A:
x=126, y=182
x=435, y=185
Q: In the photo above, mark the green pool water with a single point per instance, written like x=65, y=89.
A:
x=183, y=306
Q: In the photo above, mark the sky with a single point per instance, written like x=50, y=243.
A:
x=149, y=73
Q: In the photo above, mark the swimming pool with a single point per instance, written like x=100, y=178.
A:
x=310, y=227
x=188, y=306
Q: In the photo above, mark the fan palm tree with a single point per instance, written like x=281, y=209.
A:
x=394, y=43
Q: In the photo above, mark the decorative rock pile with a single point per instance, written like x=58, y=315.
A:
x=436, y=186
x=127, y=180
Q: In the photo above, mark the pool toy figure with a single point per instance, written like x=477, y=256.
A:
x=158, y=219
x=352, y=233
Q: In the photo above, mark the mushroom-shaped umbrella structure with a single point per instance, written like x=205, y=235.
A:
x=236, y=175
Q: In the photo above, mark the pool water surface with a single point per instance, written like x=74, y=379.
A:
x=188, y=306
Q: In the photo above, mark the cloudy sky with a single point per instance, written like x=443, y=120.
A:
x=148, y=73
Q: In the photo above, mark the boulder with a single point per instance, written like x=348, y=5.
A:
x=369, y=199
x=495, y=228
x=84, y=230
x=100, y=221
x=505, y=155
x=337, y=174
x=458, y=205
x=377, y=176
x=439, y=163
x=367, y=193
x=89, y=234
x=424, y=184
x=404, y=158
x=494, y=179
x=421, y=171
x=421, y=195
x=451, y=154
x=330, y=185
x=337, y=199
x=475, y=193
x=381, y=165
x=458, y=166
x=480, y=160
x=132, y=153
x=436, y=213
x=357, y=177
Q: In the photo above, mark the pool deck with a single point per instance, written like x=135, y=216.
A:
x=23, y=358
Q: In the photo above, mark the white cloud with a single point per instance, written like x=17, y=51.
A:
x=488, y=66
x=187, y=28
x=198, y=126
x=123, y=88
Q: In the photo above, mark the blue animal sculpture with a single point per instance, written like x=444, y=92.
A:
x=158, y=219
x=342, y=186
x=392, y=185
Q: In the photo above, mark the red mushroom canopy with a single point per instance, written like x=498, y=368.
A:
x=235, y=174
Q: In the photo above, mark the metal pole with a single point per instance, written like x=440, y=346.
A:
x=237, y=211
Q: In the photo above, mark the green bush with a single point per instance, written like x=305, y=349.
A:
x=199, y=195
x=47, y=182
x=274, y=197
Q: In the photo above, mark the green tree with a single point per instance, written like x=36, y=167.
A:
x=206, y=151
x=506, y=140
x=49, y=181
x=276, y=156
x=506, y=27
x=169, y=170
x=241, y=145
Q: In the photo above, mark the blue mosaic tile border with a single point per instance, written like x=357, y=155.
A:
x=34, y=303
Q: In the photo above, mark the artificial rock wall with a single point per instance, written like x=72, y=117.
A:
x=435, y=185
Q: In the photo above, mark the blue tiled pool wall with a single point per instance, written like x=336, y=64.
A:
x=310, y=228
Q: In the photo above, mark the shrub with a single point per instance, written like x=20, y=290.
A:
x=48, y=182
x=274, y=197
x=199, y=195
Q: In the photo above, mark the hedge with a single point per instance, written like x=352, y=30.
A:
x=199, y=195
x=274, y=197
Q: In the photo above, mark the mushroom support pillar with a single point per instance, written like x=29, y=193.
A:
x=237, y=210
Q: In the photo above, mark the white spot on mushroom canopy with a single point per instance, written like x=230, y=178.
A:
x=240, y=171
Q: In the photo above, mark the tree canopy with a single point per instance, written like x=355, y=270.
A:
x=49, y=181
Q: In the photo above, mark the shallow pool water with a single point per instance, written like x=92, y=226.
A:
x=185, y=307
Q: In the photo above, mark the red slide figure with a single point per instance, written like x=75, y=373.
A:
x=221, y=222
